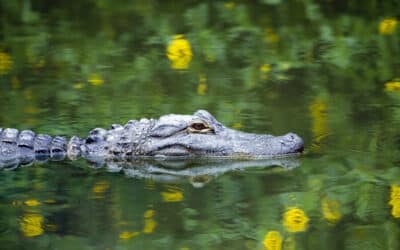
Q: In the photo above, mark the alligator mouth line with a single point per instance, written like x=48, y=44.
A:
x=187, y=153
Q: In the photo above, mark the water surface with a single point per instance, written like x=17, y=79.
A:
x=327, y=71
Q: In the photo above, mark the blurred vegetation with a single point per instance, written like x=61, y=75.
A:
x=328, y=70
x=54, y=54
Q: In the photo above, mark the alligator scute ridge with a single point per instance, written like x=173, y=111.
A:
x=171, y=136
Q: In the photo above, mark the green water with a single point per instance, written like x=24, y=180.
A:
x=326, y=70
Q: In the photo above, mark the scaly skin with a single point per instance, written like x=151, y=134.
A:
x=171, y=136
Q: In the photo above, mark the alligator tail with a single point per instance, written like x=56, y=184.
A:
x=24, y=147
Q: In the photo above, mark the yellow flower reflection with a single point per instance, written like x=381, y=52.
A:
x=318, y=118
x=237, y=125
x=295, y=220
x=99, y=188
x=15, y=82
x=31, y=225
x=31, y=110
x=95, y=79
x=387, y=26
x=202, y=86
x=5, y=63
x=395, y=200
x=78, y=85
x=127, y=235
x=32, y=203
x=393, y=85
x=270, y=36
x=265, y=69
x=179, y=52
x=149, y=223
x=331, y=210
x=51, y=227
x=273, y=241
x=289, y=243
x=172, y=196
x=229, y=5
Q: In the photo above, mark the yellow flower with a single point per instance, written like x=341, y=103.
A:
x=295, y=220
x=172, y=196
x=393, y=85
x=95, y=79
x=387, y=26
x=396, y=210
x=394, y=192
x=127, y=235
x=395, y=200
x=179, y=52
x=5, y=63
x=318, y=118
x=273, y=241
x=331, y=210
x=31, y=225
x=32, y=203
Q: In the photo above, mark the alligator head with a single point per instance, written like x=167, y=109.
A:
x=201, y=135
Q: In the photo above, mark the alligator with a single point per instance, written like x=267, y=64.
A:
x=171, y=136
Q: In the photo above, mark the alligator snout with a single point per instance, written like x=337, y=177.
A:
x=293, y=141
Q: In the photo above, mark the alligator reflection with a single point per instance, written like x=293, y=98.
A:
x=196, y=171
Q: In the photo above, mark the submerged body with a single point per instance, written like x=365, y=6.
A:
x=172, y=136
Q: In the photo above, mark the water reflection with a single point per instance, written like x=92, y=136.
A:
x=273, y=240
x=295, y=220
x=31, y=224
x=395, y=200
x=331, y=210
x=198, y=172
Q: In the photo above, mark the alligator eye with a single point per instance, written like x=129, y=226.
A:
x=199, y=127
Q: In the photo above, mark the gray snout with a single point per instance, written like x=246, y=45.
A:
x=293, y=141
